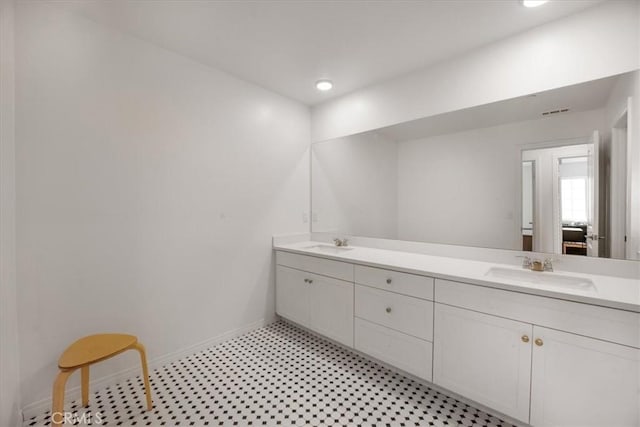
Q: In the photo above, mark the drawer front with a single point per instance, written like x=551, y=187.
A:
x=403, y=351
x=412, y=316
x=618, y=326
x=324, y=267
x=394, y=281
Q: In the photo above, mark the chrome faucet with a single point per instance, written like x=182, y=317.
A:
x=526, y=262
x=537, y=265
x=341, y=242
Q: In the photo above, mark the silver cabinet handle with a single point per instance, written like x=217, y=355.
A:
x=388, y=281
x=388, y=310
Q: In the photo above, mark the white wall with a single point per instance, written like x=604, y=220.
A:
x=598, y=42
x=462, y=188
x=354, y=186
x=9, y=356
x=149, y=187
x=626, y=87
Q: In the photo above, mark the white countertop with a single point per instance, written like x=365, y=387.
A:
x=613, y=292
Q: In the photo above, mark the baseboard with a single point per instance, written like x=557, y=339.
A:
x=74, y=393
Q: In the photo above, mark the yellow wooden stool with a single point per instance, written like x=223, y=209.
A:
x=83, y=353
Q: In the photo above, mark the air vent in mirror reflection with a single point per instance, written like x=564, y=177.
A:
x=558, y=111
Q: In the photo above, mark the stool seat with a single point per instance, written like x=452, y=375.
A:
x=81, y=355
x=94, y=348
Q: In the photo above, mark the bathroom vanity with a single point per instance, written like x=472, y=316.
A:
x=546, y=349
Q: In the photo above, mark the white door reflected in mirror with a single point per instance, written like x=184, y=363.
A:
x=593, y=193
x=566, y=198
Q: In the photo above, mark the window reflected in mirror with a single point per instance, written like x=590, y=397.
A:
x=574, y=204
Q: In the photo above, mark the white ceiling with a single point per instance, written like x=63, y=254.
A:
x=580, y=97
x=286, y=46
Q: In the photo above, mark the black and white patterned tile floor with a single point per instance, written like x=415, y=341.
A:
x=277, y=375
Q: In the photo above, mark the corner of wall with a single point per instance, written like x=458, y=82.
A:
x=9, y=359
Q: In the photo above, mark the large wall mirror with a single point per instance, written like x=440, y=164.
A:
x=548, y=172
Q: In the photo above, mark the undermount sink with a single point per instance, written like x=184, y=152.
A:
x=542, y=278
x=329, y=249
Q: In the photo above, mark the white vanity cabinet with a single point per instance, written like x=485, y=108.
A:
x=320, y=303
x=394, y=318
x=541, y=360
x=484, y=358
x=292, y=294
x=331, y=308
x=493, y=347
x=581, y=381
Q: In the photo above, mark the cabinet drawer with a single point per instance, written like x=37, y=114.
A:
x=618, y=326
x=403, y=351
x=409, y=315
x=324, y=267
x=394, y=281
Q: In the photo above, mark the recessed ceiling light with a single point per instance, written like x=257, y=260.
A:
x=324, y=85
x=533, y=3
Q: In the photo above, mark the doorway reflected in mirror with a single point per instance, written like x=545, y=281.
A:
x=563, y=207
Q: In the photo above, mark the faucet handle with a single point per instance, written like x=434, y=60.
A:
x=340, y=242
x=526, y=261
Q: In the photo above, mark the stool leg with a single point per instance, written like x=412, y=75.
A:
x=145, y=373
x=57, y=408
x=85, y=385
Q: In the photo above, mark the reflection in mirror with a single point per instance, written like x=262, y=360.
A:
x=528, y=190
x=563, y=196
x=548, y=172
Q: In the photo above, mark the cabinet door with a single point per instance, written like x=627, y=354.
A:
x=484, y=358
x=580, y=381
x=331, y=308
x=292, y=294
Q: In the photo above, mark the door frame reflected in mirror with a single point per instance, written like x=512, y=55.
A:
x=545, y=158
